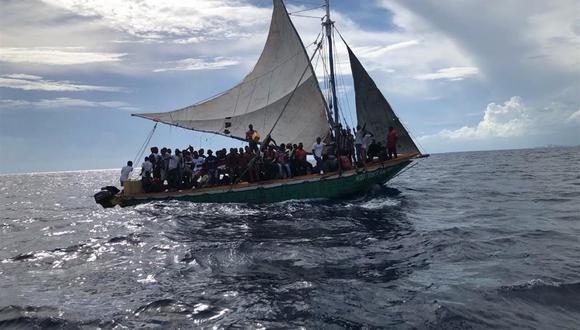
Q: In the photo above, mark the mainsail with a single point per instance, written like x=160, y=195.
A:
x=374, y=111
x=261, y=97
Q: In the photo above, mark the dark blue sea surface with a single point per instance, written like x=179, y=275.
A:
x=471, y=240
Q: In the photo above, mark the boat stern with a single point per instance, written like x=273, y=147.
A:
x=107, y=197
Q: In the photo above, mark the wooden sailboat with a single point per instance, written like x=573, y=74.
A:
x=281, y=95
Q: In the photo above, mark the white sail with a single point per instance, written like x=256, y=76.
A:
x=373, y=111
x=261, y=96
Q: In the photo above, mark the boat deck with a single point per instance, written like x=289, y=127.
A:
x=249, y=185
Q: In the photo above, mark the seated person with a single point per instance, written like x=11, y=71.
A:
x=302, y=165
x=284, y=170
x=345, y=163
x=269, y=167
x=373, y=150
x=329, y=163
x=251, y=165
x=203, y=180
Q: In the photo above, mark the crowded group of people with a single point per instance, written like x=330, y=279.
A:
x=166, y=169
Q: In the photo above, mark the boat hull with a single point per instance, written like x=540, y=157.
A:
x=331, y=186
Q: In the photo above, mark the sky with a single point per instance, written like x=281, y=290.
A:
x=462, y=75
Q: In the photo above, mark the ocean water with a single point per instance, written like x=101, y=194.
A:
x=470, y=240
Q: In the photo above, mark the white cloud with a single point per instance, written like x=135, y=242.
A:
x=521, y=48
x=63, y=102
x=22, y=76
x=30, y=82
x=192, y=64
x=181, y=21
x=515, y=119
x=553, y=29
x=394, y=57
x=453, y=74
x=575, y=117
x=379, y=51
x=499, y=120
x=56, y=56
x=526, y=46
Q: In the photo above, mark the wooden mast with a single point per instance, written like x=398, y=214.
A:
x=328, y=24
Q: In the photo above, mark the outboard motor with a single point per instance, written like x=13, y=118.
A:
x=106, y=195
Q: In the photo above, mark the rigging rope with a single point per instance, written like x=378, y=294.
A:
x=307, y=2
x=307, y=16
x=405, y=170
x=411, y=135
x=309, y=9
x=268, y=136
x=144, y=145
x=325, y=80
x=339, y=73
x=325, y=73
x=292, y=94
x=345, y=94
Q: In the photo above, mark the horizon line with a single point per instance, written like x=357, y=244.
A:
x=433, y=153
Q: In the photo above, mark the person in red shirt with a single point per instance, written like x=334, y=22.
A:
x=303, y=165
x=392, y=138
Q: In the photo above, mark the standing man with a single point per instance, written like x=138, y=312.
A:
x=211, y=167
x=392, y=138
x=173, y=169
x=358, y=144
x=317, y=149
x=154, y=159
x=146, y=171
x=253, y=137
x=164, y=163
x=146, y=168
x=366, y=142
x=125, y=172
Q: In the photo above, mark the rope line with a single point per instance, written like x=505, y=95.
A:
x=405, y=170
x=345, y=95
x=306, y=16
x=268, y=136
x=144, y=146
x=411, y=135
x=308, y=9
x=293, y=92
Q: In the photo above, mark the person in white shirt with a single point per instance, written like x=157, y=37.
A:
x=358, y=143
x=173, y=168
x=146, y=168
x=317, y=149
x=366, y=142
x=155, y=172
x=197, y=167
x=197, y=163
x=125, y=172
x=146, y=172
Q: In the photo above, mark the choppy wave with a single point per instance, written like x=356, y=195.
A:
x=460, y=241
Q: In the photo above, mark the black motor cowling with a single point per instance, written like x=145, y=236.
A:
x=106, y=195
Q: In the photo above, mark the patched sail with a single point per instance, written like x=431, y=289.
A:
x=374, y=111
x=261, y=96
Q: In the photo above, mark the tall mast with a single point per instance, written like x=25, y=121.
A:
x=328, y=24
